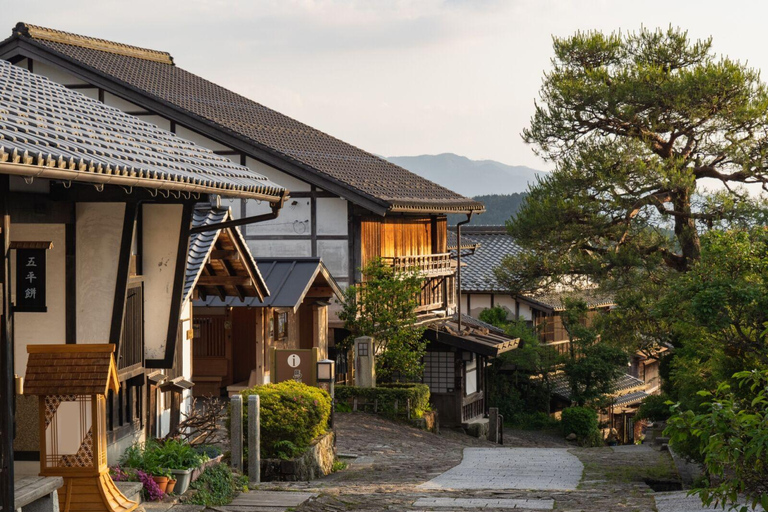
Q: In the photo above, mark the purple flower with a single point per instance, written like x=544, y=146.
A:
x=151, y=489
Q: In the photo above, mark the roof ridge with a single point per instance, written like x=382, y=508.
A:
x=59, y=36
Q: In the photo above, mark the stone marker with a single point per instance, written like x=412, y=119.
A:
x=254, y=439
x=236, y=433
x=365, y=364
x=493, y=424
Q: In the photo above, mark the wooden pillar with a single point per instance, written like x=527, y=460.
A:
x=7, y=382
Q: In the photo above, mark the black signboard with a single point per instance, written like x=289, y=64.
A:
x=30, y=280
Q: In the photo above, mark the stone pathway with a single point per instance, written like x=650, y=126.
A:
x=484, y=503
x=512, y=468
x=266, y=501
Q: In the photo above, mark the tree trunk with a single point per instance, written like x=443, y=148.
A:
x=685, y=230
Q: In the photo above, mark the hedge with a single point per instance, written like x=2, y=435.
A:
x=292, y=415
x=384, y=396
x=581, y=421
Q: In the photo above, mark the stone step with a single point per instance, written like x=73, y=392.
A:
x=131, y=490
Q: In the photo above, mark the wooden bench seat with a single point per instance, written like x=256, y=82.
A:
x=37, y=493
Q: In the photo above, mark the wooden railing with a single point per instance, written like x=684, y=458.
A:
x=428, y=265
x=472, y=406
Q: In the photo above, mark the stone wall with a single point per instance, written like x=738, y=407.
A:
x=315, y=462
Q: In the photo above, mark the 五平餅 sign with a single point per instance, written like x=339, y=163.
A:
x=30, y=280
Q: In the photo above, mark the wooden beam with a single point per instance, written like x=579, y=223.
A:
x=221, y=254
x=223, y=280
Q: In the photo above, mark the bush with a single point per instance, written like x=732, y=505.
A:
x=291, y=412
x=654, y=408
x=581, y=421
x=532, y=421
x=217, y=486
x=385, y=396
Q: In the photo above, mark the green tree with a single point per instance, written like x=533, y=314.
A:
x=496, y=316
x=591, y=365
x=635, y=123
x=384, y=307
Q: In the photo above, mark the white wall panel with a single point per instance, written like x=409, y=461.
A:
x=195, y=137
x=119, y=103
x=282, y=248
x=55, y=74
x=48, y=327
x=99, y=229
x=294, y=218
x=158, y=121
x=161, y=223
x=335, y=255
x=331, y=216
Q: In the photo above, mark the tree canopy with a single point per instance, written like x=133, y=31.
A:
x=635, y=123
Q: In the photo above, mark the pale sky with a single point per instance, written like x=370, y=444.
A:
x=399, y=77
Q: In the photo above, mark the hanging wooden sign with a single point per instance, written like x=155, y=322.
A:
x=30, y=281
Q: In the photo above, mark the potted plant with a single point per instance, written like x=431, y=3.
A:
x=181, y=459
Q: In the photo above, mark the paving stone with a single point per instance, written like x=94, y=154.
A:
x=484, y=503
x=512, y=468
x=679, y=501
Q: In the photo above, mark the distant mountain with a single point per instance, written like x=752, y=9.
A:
x=469, y=177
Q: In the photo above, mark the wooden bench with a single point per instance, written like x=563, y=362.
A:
x=37, y=493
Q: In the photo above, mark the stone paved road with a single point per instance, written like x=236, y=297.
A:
x=512, y=468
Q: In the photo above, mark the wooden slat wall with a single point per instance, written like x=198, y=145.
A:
x=212, y=341
x=442, y=234
x=398, y=236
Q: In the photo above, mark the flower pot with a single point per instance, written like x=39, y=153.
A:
x=183, y=478
x=171, y=485
x=161, y=481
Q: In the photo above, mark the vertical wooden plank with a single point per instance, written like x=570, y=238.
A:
x=70, y=273
x=7, y=385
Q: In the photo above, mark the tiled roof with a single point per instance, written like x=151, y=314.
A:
x=49, y=131
x=474, y=337
x=556, y=300
x=631, y=398
x=84, y=369
x=491, y=248
x=328, y=159
x=288, y=279
x=561, y=388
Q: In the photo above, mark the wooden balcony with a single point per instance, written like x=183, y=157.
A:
x=428, y=265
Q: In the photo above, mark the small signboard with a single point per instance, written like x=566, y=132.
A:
x=298, y=365
x=30, y=281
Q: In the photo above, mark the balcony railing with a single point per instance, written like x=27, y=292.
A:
x=428, y=265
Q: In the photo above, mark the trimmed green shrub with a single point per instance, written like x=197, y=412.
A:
x=292, y=415
x=581, y=421
x=385, y=396
x=217, y=486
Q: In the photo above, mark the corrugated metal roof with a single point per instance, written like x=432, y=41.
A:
x=288, y=279
x=153, y=75
x=63, y=134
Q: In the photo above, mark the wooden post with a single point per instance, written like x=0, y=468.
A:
x=7, y=385
x=254, y=439
x=236, y=434
x=354, y=404
x=396, y=404
x=408, y=407
x=493, y=424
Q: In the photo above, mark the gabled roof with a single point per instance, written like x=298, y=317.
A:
x=149, y=78
x=475, y=336
x=290, y=280
x=624, y=385
x=233, y=258
x=83, y=369
x=49, y=131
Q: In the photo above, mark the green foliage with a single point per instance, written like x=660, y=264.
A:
x=581, y=421
x=385, y=396
x=338, y=465
x=592, y=365
x=217, y=486
x=654, y=408
x=634, y=122
x=532, y=421
x=290, y=412
x=731, y=432
x=176, y=454
x=158, y=458
x=496, y=316
x=384, y=307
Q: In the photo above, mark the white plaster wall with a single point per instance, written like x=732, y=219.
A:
x=115, y=450
x=267, y=248
x=117, y=102
x=331, y=216
x=277, y=176
x=55, y=74
x=201, y=140
x=294, y=218
x=49, y=327
x=161, y=224
x=478, y=302
x=99, y=229
x=481, y=301
x=335, y=255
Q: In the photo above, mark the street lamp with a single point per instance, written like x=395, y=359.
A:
x=327, y=375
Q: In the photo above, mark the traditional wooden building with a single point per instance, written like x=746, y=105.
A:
x=240, y=316
x=96, y=209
